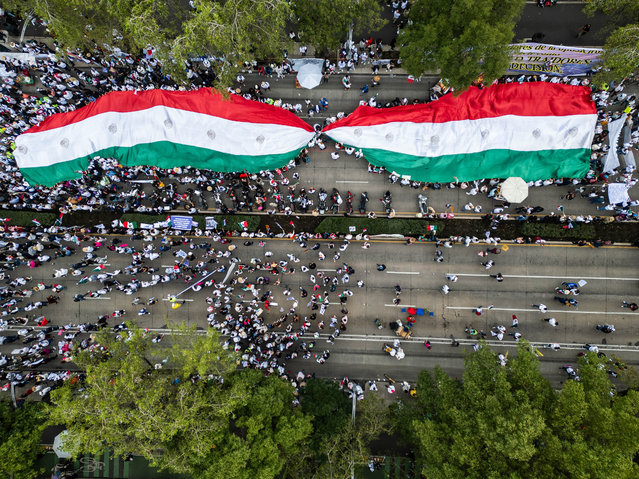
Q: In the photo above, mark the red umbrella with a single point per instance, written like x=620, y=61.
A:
x=412, y=311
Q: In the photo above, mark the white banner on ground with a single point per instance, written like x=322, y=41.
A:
x=618, y=193
x=23, y=57
x=629, y=158
x=614, y=130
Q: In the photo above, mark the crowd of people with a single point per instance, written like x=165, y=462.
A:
x=32, y=90
x=49, y=82
x=238, y=293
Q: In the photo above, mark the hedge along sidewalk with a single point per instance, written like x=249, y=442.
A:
x=25, y=218
x=408, y=227
x=92, y=218
x=557, y=231
x=224, y=222
x=624, y=232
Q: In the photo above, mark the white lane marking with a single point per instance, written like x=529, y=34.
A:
x=164, y=299
x=403, y=272
x=99, y=297
x=350, y=181
x=400, y=305
x=592, y=278
x=520, y=310
x=332, y=270
x=414, y=339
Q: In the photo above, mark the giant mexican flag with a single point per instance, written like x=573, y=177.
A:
x=196, y=128
x=532, y=130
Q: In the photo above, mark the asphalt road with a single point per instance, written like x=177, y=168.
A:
x=531, y=274
x=350, y=174
x=561, y=23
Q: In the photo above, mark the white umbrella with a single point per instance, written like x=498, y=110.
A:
x=514, y=190
x=309, y=76
x=58, y=446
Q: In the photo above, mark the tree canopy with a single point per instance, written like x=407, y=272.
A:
x=619, y=11
x=621, y=53
x=508, y=421
x=228, y=31
x=182, y=405
x=20, y=433
x=463, y=39
x=324, y=24
x=621, y=49
x=337, y=444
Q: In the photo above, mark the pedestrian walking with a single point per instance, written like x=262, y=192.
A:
x=631, y=306
x=552, y=321
x=583, y=30
x=542, y=307
x=381, y=267
x=605, y=328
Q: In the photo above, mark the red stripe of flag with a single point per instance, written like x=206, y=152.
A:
x=526, y=99
x=204, y=100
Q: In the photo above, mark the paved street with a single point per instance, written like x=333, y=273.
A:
x=531, y=273
x=560, y=24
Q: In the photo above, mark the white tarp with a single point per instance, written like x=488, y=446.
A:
x=23, y=57
x=629, y=158
x=618, y=193
x=614, y=130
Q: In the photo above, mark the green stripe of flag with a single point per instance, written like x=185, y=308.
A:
x=163, y=154
x=529, y=165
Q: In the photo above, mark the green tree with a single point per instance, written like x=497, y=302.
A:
x=230, y=31
x=338, y=445
x=233, y=31
x=265, y=431
x=507, y=421
x=619, y=11
x=324, y=24
x=482, y=426
x=463, y=39
x=621, y=54
x=180, y=404
x=594, y=429
x=328, y=407
x=20, y=434
x=620, y=57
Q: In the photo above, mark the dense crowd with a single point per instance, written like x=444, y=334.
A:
x=48, y=82
x=237, y=293
x=66, y=84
